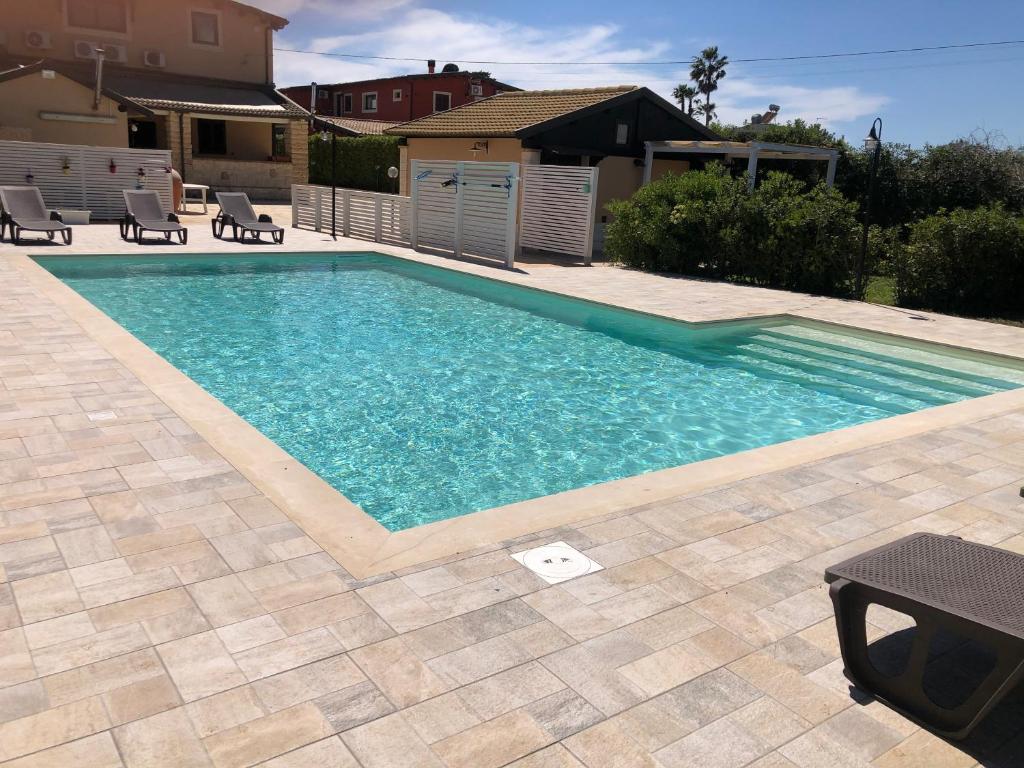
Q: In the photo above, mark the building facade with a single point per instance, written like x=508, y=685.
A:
x=398, y=99
x=592, y=127
x=193, y=78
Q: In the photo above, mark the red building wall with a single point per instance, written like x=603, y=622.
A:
x=417, y=99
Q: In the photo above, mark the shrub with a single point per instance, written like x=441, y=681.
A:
x=966, y=262
x=362, y=162
x=706, y=223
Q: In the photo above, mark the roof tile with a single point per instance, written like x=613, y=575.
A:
x=506, y=113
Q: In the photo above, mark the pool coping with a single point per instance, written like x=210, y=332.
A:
x=365, y=548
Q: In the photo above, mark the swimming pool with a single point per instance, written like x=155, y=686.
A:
x=422, y=393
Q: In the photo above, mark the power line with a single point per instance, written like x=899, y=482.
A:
x=757, y=60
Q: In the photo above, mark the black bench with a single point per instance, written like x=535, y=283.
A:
x=946, y=585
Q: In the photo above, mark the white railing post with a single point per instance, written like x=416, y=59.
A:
x=460, y=172
x=414, y=188
x=346, y=212
x=378, y=215
x=511, y=229
x=588, y=253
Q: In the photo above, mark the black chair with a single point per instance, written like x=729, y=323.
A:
x=25, y=211
x=236, y=212
x=144, y=213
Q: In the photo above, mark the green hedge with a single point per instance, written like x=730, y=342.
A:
x=706, y=223
x=362, y=162
x=965, y=261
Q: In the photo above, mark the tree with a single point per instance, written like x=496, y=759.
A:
x=705, y=110
x=706, y=70
x=684, y=94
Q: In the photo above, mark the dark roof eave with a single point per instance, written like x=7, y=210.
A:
x=623, y=98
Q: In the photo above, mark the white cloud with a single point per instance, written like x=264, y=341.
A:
x=405, y=29
x=738, y=99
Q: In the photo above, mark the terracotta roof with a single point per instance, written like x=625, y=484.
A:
x=507, y=114
x=355, y=127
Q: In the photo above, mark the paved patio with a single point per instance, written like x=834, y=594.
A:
x=156, y=609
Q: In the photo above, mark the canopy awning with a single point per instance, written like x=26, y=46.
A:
x=752, y=150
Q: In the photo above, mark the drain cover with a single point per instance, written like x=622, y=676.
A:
x=557, y=562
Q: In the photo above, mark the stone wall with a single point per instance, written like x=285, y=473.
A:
x=261, y=180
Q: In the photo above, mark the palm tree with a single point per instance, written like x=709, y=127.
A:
x=706, y=109
x=706, y=70
x=684, y=94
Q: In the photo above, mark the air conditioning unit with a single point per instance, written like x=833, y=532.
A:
x=476, y=90
x=38, y=39
x=154, y=59
x=85, y=49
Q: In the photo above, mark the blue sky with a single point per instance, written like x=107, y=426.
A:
x=925, y=97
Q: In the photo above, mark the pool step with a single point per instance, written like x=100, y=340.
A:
x=812, y=372
x=864, y=362
x=985, y=376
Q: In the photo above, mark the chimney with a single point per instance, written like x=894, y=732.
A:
x=430, y=66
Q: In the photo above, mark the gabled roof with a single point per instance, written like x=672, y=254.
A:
x=464, y=73
x=519, y=114
x=352, y=126
x=38, y=66
x=277, y=22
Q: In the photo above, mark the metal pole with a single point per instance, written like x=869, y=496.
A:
x=862, y=258
x=334, y=184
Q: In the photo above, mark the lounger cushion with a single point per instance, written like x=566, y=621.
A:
x=41, y=226
x=159, y=226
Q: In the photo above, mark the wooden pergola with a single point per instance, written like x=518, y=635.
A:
x=753, y=151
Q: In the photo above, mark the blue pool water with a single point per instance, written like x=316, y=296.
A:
x=422, y=393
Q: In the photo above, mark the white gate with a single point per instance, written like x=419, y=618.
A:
x=468, y=208
x=558, y=209
x=76, y=177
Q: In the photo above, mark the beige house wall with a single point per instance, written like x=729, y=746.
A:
x=245, y=52
x=298, y=147
x=22, y=100
x=617, y=179
x=664, y=166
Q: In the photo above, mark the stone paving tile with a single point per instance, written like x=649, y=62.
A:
x=157, y=609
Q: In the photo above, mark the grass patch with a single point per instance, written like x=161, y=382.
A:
x=882, y=290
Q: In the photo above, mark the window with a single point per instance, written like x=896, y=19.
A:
x=396, y=95
x=622, y=133
x=442, y=101
x=279, y=140
x=322, y=93
x=206, y=28
x=347, y=103
x=211, y=137
x=370, y=102
x=101, y=15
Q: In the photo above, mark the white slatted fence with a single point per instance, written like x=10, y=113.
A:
x=375, y=216
x=88, y=183
x=467, y=208
x=558, y=209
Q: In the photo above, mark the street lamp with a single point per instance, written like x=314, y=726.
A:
x=872, y=144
